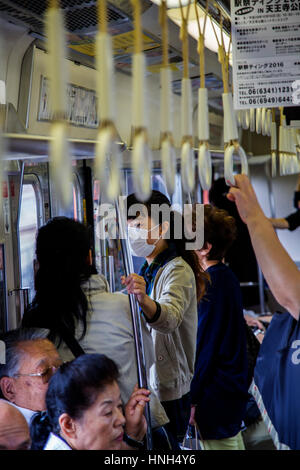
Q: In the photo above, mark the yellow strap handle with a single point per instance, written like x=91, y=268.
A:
x=54, y=4
x=184, y=39
x=102, y=16
x=138, y=44
x=223, y=57
x=163, y=19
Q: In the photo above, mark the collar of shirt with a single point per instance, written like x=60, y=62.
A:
x=28, y=414
x=149, y=271
x=56, y=443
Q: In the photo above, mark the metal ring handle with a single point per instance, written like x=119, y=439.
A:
x=187, y=167
x=228, y=162
x=204, y=167
x=168, y=158
x=141, y=165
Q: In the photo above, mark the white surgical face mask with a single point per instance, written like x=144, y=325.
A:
x=138, y=241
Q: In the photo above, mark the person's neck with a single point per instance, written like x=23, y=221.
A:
x=159, y=248
x=208, y=263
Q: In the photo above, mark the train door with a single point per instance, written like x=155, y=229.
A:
x=12, y=298
x=31, y=218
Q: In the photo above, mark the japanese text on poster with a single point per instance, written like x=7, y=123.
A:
x=266, y=52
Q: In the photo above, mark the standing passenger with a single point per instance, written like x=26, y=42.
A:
x=219, y=387
x=167, y=288
x=69, y=295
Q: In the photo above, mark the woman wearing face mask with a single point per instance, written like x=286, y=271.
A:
x=167, y=288
x=70, y=293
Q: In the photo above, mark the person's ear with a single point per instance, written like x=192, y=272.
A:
x=206, y=249
x=164, y=228
x=7, y=388
x=67, y=426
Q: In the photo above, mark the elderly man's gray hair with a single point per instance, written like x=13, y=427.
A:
x=13, y=354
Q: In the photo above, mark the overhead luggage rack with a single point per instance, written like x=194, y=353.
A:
x=35, y=147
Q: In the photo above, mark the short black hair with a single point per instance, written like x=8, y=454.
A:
x=13, y=354
x=76, y=384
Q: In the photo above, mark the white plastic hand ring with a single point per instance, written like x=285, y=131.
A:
x=187, y=167
x=142, y=166
x=228, y=162
x=168, y=158
x=204, y=167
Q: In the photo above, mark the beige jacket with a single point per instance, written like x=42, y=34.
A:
x=109, y=332
x=174, y=333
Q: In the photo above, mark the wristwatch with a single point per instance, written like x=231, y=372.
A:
x=133, y=442
x=257, y=332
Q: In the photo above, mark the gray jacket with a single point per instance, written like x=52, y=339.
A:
x=174, y=333
x=109, y=332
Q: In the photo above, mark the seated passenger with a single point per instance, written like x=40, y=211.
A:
x=14, y=430
x=31, y=360
x=219, y=387
x=167, y=288
x=70, y=296
x=85, y=410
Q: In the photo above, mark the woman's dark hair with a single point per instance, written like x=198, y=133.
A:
x=154, y=206
x=219, y=230
x=76, y=384
x=72, y=390
x=62, y=249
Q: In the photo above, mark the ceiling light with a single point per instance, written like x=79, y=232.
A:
x=209, y=37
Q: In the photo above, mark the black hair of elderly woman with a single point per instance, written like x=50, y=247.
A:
x=85, y=411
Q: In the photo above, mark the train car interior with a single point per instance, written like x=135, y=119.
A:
x=140, y=135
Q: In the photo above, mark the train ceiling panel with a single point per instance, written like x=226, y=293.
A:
x=80, y=15
x=81, y=24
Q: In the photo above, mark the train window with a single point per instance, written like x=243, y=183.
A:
x=28, y=225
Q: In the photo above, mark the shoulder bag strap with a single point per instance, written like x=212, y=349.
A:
x=70, y=340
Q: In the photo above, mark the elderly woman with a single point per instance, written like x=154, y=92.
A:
x=85, y=411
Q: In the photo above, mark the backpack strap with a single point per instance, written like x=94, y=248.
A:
x=70, y=340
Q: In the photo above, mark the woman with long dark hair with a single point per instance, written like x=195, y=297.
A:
x=167, y=288
x=70, y=298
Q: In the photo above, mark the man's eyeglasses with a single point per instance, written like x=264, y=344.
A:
x=45, y=375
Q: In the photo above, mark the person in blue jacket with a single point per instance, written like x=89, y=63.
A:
x=219, y=386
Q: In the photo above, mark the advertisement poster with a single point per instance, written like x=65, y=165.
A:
x=266, y=53
x=82, y=105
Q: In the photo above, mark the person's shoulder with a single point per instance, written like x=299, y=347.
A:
x=109, y=304
x=177, y=263
x=222, y=274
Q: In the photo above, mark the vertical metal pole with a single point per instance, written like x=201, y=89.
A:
x=135, y=314
x=111, y=270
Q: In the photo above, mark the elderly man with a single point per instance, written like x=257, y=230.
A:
x=31, y=360
x=14, y=430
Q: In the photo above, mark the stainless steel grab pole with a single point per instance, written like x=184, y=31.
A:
x=135, y=315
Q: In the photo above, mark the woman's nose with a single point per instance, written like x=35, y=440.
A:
x=120, y=418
